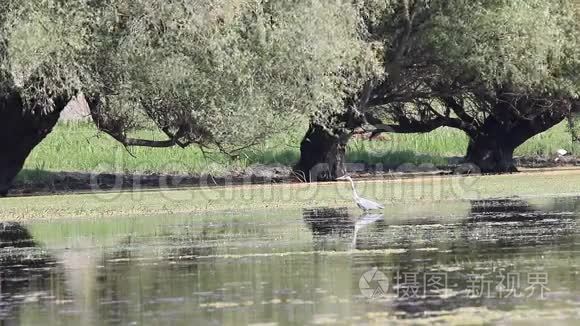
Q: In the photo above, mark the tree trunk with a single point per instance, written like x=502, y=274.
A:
x=322, y=154
x=492, y=147
x=20, y=131
x=323, y=148
x=491, y=154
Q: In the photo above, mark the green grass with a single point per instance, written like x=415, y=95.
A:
x=437, y=146
x=78, y=147
x=274, y=197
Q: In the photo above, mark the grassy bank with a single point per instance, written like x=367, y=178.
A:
x=79, y=147
x=391, y=192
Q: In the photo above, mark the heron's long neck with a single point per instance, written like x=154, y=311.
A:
x=354, y=193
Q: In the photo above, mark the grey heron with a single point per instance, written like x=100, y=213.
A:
x=362, y=203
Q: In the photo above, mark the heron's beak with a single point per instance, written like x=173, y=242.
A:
x=341, y=178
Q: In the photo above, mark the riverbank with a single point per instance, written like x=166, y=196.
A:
x=52, y=183
x=390, y=191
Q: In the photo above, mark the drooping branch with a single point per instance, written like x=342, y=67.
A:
x=116, y=128
x=404, y=125
x=133, y=142
x=427, y=119
x=408, y=127
x=527, y=128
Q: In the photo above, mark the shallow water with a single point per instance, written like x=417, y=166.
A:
x=496, y=261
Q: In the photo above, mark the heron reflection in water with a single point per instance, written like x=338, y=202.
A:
x=331, y=224
x=362, y=222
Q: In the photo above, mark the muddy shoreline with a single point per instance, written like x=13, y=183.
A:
x=54, y=183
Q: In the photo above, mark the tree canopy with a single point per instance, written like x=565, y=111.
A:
x=500, y=70
x=474, y=49
x=220, y=74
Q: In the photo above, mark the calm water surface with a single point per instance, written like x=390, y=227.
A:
x=496, y=261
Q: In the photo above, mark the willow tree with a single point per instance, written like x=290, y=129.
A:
x=40, y=70
x=218, y=74
x=323, y=148
x=225, y=76
x=501, y=71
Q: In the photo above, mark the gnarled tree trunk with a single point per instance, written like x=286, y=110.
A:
x=492, y=147
x=323, y=148
x=20, y=131
x=322, y=154
x=491, y=155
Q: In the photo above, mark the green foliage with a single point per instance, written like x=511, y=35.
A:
x=47, y=42
x=232, y=71
x=471, y=65
x=524, y=45
x=221, y=74
x=226, y=74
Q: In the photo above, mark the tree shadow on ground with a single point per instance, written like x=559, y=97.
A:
x=41, y=181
